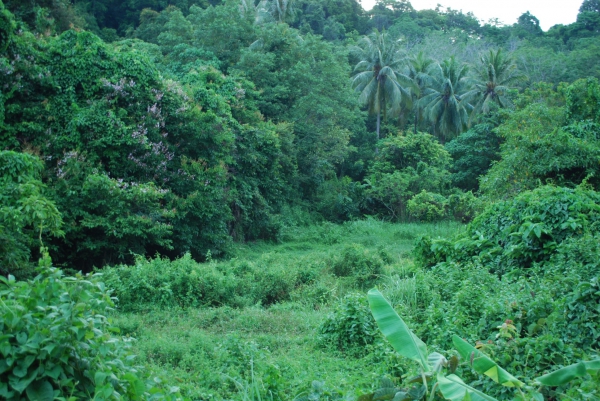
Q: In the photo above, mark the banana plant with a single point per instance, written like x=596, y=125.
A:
x=568, y=373
x=407, y=344
x=434, y=366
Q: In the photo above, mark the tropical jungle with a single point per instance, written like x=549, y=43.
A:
x=297, y=200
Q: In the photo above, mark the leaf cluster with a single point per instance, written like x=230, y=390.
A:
x=58, y=342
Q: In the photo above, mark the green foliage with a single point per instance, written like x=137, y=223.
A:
x=496, y=75
x=383, y=87
x=473, y=153
x=433, y=367
x=519, y=233
x=406, y=165
x=214, y=121
x=223, y=31
x=404, y=341
x=7, y=28
x=350, y=327
x=340, y=200
x=58, y=342
x=464, y=206
x=360, y=264
x=304, y=81
x=583, y=98
x=443, y=100
x=427, y=206
x=582, y=312
x=184, y=283
x=536, y=152
x=318, y=392
x=123, y=217
x=568, y=373
x=26, y=212
x=138, y=162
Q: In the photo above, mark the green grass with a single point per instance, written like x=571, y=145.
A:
x=289, y=321
x=258, y=352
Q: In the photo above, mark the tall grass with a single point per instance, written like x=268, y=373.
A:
x=246, y=328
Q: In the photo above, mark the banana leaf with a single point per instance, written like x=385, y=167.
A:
x=484, y=365
x=396, y=331
x=454, y=389
x=568, y=373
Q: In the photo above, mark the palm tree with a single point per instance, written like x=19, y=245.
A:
x=378, y=79
x=444, y=103
x=494, y=76
x=280, y=10
x=419, y=71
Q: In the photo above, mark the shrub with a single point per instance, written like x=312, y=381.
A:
x=340, y=200
x=359, y=263
x=57, y=341
x=464, y=206
x=518, y=233
x=428, y=206
x=472, y=155
x=582, y=313
x=350, y=326
x=183, y=283
x=540, y=149
x=406, y=165
x=274, y=283
x=164, y=283
x=25, y=212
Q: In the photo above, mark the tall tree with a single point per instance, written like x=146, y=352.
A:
x=494, y=77
x=444, y=103
x=590, y=6
x=419, y=70
x=381, y=85
x=280, y=10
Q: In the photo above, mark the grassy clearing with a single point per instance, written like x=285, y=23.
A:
x=274, y=352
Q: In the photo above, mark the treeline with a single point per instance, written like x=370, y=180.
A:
x=142, y=128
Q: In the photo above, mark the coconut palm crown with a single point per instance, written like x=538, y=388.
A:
x=419, y=71
x=494, y=77
x=383, y=88
x=444, y=103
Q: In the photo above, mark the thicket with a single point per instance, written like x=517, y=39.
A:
x=525, y=269
x=520, y=233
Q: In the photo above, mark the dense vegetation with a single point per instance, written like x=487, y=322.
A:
x=271, y=161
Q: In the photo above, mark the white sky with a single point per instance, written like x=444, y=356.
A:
x=549, y=12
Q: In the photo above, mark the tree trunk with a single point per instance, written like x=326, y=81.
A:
x=378, y=125
x=416, y=119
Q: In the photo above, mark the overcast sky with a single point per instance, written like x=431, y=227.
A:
x=549, y=12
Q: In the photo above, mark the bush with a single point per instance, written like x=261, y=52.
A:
x=406, y=165
x=539, y=149
x=274, y=283
x=164, y=283
x=26, y=213
x=428, y=206
x=350, y=326
x=183, y=283
x=463, y=207
x=473, y=152
x=56, y=341
x=359, y=263
x=518, y=233
x=582, y=314
x=340, y=200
